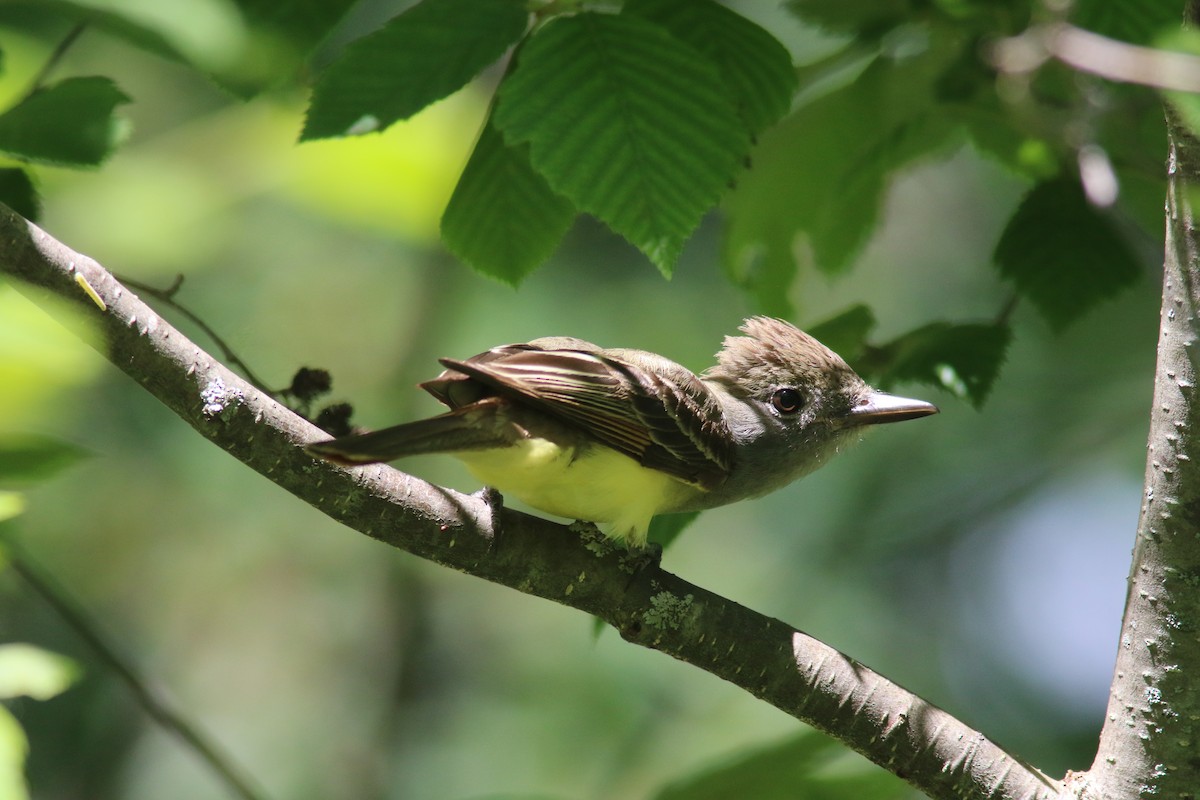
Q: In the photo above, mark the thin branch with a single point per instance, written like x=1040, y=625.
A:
x=56, y=56
x=156, y=706
x=167, y=297
x=471, y=533
x=1098, y=55
x=1006, y=311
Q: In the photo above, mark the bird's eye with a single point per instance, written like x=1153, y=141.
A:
x=787, y=400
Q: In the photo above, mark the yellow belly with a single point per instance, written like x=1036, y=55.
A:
x=595, y=484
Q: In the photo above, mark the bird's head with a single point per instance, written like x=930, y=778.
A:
x=799, y=386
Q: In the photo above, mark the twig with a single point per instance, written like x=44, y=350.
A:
x=56, y=56
x=167, y=296
x=1098, y=55
x=156, y=706
x=1006, y=311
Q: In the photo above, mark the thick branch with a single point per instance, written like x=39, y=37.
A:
x=650, y=607
x=1150, y=745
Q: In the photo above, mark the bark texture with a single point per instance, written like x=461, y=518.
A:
x=1150, y=745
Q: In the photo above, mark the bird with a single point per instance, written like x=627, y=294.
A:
x=616, y=436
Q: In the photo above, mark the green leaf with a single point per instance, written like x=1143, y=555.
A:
x=846, y=333
x=70, y=123
x=200, y=33
x=871, y=17
x=665, y=528
x=17, y=192
x=503, y=218
x=14, y=749
x=962, y=359
x=422, y=55
x=305, y=23
x=822, y=172
x=243, y=45
x=12, y=504
x=1136, y=21
x=32, y=458
x=30, y=671
x=1064, y=254
x=754, y=66
x=808, y=765
x=629, y=123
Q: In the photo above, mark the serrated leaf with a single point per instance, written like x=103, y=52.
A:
x=420, y=56
x=1064, y=254
x=305, y=23
x=18, y=193
x=962, y=359
x=629, y=123
x=27, y=458
x=1136, y=21
x=503, y=219
x=821, y=173
x=846, y=333
x=70, y=123
x=30, y=671
x=754, y=66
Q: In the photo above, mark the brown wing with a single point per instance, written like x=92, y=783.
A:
x=645, y=406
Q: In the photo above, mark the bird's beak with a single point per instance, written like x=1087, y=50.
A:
x=879, y=407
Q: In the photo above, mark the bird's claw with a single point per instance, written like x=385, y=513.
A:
x=495, y=504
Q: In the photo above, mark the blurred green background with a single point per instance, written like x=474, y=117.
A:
x=978, y=558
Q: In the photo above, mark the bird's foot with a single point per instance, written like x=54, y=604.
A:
x=636, y=559
x=495, y=504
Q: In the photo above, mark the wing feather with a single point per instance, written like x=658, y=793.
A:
x=640, y=404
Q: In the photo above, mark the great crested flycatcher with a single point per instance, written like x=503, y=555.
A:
x=615, y=436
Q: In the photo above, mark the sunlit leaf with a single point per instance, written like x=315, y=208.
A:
x=12, y=504
x=628, y=122
x=755, y=67
x=14, y=749
x=70, y=123
x=503, y=218
x=420, y=56
x=39, y=357
x=1064, y=254
x=30, y=671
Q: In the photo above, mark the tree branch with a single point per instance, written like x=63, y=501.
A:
x=1098, y=55
x=649, y=606
x=1149, y=744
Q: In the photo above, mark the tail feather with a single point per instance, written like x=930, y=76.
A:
x=455, y=431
